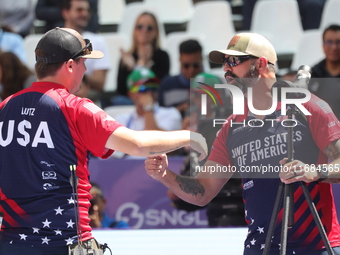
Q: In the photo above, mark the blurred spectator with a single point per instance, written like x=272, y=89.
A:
x=50, y=12
x=145, y=52
x=325, y=82
x=12, y=42
x=14, y=75
x=174, y=90
x=310, y=11
x=18, y=15
x=76, y=14
x=148, y=115
x=99, y=219
x=143, y=86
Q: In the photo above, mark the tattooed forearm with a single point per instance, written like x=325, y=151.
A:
x=333, y=150
x=161, y=152
x=190, y=185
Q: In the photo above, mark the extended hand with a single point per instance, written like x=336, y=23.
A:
x=199, y=144
x=297, y=171
x=156, y=166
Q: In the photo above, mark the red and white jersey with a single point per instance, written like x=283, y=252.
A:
x=45, y=132
x=255, y=151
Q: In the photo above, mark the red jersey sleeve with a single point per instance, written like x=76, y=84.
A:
x=95, y=126
x=323, y=124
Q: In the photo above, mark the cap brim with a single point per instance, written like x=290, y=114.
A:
x=94, y=54
x=147, y=80
x=217, y=56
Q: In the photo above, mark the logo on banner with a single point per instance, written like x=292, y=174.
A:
x=133, y=214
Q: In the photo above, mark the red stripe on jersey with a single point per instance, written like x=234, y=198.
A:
x=304, y=206
x=297, y=195
x=8, y=219
x=15, y=207
x=312, y=235
x=302, y=209
x=321, y=245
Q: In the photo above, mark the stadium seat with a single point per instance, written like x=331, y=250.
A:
x=309, y=51
x=330, y=14
x=172, y=11
x=110, y=11
x=279, y=21
x=30, y=42
x=212, y=21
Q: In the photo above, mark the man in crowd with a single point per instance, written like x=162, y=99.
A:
x=147, y=115
x=325, y=81
x=174, y=90
x=76, y=15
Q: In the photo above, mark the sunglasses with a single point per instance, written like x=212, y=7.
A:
x=330, y=43
x=195, y=65
x=148, y=28
x=84, y=51
x=236, y=60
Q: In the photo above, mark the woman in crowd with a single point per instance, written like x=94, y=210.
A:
x=145, y=52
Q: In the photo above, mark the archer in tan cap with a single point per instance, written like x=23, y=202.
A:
x=241, y=48
x=249, y=140
x=244, y=44
x=241, y=144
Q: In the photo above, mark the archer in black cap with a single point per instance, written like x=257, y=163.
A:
x=61, y=44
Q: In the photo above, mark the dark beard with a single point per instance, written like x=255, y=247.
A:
x=236, y=78
x=249, y=79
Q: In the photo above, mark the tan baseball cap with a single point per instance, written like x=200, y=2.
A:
x=246, y=44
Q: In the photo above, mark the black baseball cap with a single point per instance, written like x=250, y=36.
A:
x=61, y=44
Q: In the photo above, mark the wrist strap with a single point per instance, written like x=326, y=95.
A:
x=323, y=171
